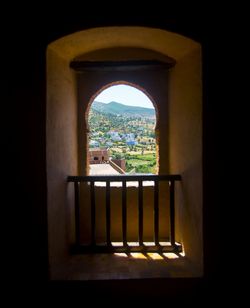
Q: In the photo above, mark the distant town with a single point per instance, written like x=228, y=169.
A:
x=122, y=136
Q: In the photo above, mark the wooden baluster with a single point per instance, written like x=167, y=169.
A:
x=108, y=213
x=140, y=208
x=124, y=213
x=92, y=197
x=156, y=212
x=77, y=214
x=172, y=213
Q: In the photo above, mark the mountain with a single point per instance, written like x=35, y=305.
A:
x=120, y=109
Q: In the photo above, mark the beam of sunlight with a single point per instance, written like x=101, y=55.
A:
x=149, y=243
x=121, y=254
x=170, y=255
x=165, y=243
x=154, y=256
x=137, y=255
x=117, y=244
x=169, y=244
x=183, y=251
x=133, y=244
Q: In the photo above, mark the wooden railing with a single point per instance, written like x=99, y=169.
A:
x=124, y=246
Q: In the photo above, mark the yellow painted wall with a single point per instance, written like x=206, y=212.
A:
x=61, y=147
x=183, y=133
x=132, y=213
x=185, y=136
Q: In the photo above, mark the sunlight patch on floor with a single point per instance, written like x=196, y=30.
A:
x=121, y=254
x=165, y=243
x=133, y=244
x=138, y=255
x=117, y=244
x=149, y=255
x=154, y=256
x=170, y=255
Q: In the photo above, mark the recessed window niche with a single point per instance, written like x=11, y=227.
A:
x=176, y=87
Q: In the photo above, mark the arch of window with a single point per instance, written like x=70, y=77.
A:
x=139, y=88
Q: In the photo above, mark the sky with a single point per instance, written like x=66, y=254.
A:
x=126, y=95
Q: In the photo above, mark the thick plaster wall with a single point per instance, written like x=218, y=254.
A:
x=185, y=137
x=154, y=81
x=62, y=147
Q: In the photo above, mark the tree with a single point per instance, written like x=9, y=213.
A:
x=118, y=156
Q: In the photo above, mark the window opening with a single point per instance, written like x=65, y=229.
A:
x=121, y=121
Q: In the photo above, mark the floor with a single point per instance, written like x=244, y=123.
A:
x=122, y=266
x=102, y=169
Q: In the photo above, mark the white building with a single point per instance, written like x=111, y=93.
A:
x=94, y=143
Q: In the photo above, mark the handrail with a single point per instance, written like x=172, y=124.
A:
x=171, y=178
x=127, y=178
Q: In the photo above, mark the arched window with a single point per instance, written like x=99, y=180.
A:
x=121, y=121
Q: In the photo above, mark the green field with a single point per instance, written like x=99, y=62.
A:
x=141, y=163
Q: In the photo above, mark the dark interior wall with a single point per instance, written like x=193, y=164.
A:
x=183, y=102
x=154, y=81
x=28, y=39
x=151, y=80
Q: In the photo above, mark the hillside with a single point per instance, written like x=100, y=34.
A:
x=120, y=109
x=130, y=136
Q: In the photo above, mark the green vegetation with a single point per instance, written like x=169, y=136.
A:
x=141, y=164
x=128, y=133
